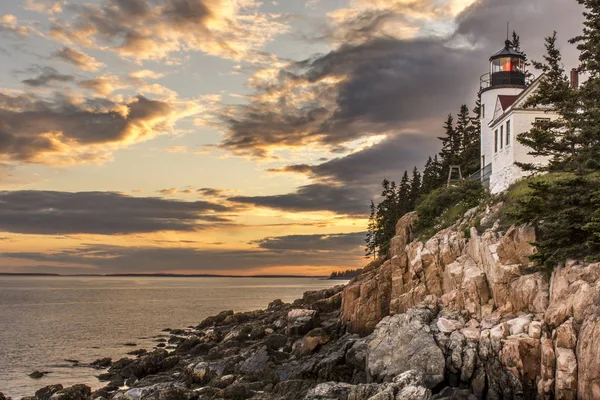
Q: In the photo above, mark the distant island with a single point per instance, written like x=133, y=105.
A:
x=344, y=275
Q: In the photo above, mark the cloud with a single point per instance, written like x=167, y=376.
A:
x=78, y=58
x=338, y=242
x=47, y=76
x=338, y=199
x=153, y=30
x=103, y=85
x=382, y=83
x=45, y=6
x=104, y=213
x=116, y=259
x=67, y=130
x=10, y=24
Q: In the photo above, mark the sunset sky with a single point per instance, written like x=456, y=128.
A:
x=228, y=136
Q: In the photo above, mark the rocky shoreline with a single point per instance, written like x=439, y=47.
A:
x=461, y=315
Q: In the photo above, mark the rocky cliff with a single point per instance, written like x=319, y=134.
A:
x=462, y=315
x=470, y=312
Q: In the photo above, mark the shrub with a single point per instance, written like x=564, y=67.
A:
x=444, y=206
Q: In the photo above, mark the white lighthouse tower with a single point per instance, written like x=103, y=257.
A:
x=499, y=89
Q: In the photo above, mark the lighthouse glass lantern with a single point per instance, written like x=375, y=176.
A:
x=507, y=67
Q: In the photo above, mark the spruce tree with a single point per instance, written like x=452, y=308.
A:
x=415, y=189
x=556, y=138
x=404, y=195
x=588, y=118
x=430, y=177
x=450, y=144
x=371, y=246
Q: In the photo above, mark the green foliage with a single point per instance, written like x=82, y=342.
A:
x=564, y=209
x=444, y=206
x=556, y=138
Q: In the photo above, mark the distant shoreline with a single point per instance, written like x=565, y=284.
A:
x=159, y=275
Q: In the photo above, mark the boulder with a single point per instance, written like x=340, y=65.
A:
x=46, y=392
x=402, y=343
x=275, y=341
x=75, y=392
x=301, y=321
x=329, y=391
x=310, y=342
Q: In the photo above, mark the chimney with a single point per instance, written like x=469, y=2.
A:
x=574, y=78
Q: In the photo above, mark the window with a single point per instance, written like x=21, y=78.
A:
x=502, y=137
x=483, y=111
x=508, y=133
x=496, y=141
x=542, y=120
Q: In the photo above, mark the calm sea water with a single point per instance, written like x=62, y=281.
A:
x=46, y=320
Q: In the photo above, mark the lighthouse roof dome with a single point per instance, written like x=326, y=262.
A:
x=507, y=51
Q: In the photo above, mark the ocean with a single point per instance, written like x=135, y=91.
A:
x=45, y=321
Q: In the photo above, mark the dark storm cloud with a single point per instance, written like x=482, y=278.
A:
x=339, y=242
x=387, y=159
x=347, y=184
x=115, y=259
x=346, y=200
x=32, y=127
x=47, y=76
x=106, y=213
x=388, y=85
x=385, y=84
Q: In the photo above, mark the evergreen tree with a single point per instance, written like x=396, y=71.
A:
x=588, y=118
x=430, y=177
x=415, y=189
x=556, y=138
x=371, y=245
x=404, y=195
x=516, y=45
x=450, y=146
x=387, y=215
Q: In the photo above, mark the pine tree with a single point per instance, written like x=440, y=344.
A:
x=588, y=119
x=415, y=190
x=516, y=45
x=556, y=138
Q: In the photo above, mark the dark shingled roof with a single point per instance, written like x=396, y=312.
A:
x=507, y=101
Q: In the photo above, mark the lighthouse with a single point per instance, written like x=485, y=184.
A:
x=504, y=91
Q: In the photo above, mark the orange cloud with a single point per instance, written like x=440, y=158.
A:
x=231, y=29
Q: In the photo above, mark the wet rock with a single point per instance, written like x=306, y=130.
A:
x=46, y=392
x=215, y=319
x=102, y=363
x=38, y=374
x=75, y=392
x=138, y=352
